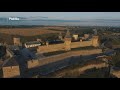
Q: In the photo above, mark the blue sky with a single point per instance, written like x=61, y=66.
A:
x=65, y=15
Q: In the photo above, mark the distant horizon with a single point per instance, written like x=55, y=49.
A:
x=61, y=18
x=64, y=15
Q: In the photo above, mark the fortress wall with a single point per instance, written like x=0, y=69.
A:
x=55, y=66
x=81, y=44
x=58, y=47
x=50, y=48
x=33, y=63
x=54, y=58
x=47, y=60
x=86, y=52
x=9, y=72
x=75, y=44
x=82, y=69
x=60, y=57
x=86, y=43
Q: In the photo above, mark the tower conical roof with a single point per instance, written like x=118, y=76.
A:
x=68, y=34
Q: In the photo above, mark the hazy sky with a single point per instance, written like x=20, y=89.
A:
x=65, y=15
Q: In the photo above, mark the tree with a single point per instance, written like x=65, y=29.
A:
x=116, y=59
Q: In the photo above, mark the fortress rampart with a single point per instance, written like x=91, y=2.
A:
x=82, y=69
x=81, y=44
x=60, y=57
x=68, y=44
x=50, y=48
x=59, y=47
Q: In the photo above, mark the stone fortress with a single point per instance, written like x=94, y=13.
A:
x=11, y=68
x=68, y=44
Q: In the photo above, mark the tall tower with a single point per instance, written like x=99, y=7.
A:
x=95, y=41
x=67, y=41
x=95, y=31
x=60, y=36
x=16, y=41
x=39, y=40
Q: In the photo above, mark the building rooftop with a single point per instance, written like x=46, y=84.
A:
x=11, y=62
x=55, y=42
x=13, y=47
x=26, y=53
x=33, y=42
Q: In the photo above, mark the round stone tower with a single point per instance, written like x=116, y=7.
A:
x=67, y=41
x=16, y=41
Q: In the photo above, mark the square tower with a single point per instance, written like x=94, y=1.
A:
x=16, y=41
x=95, y=41
x=60, y=36
x=67, y=41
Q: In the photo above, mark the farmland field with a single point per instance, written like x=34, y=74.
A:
x=32, y=31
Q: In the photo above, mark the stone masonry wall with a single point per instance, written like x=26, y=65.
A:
x=81, y=44
x=82, y=69
x=58, y=47
x=50, y=48
x=51, y=59
x=33, y=63
x=9, y=72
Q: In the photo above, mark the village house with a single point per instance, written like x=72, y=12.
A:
x=32, y=44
